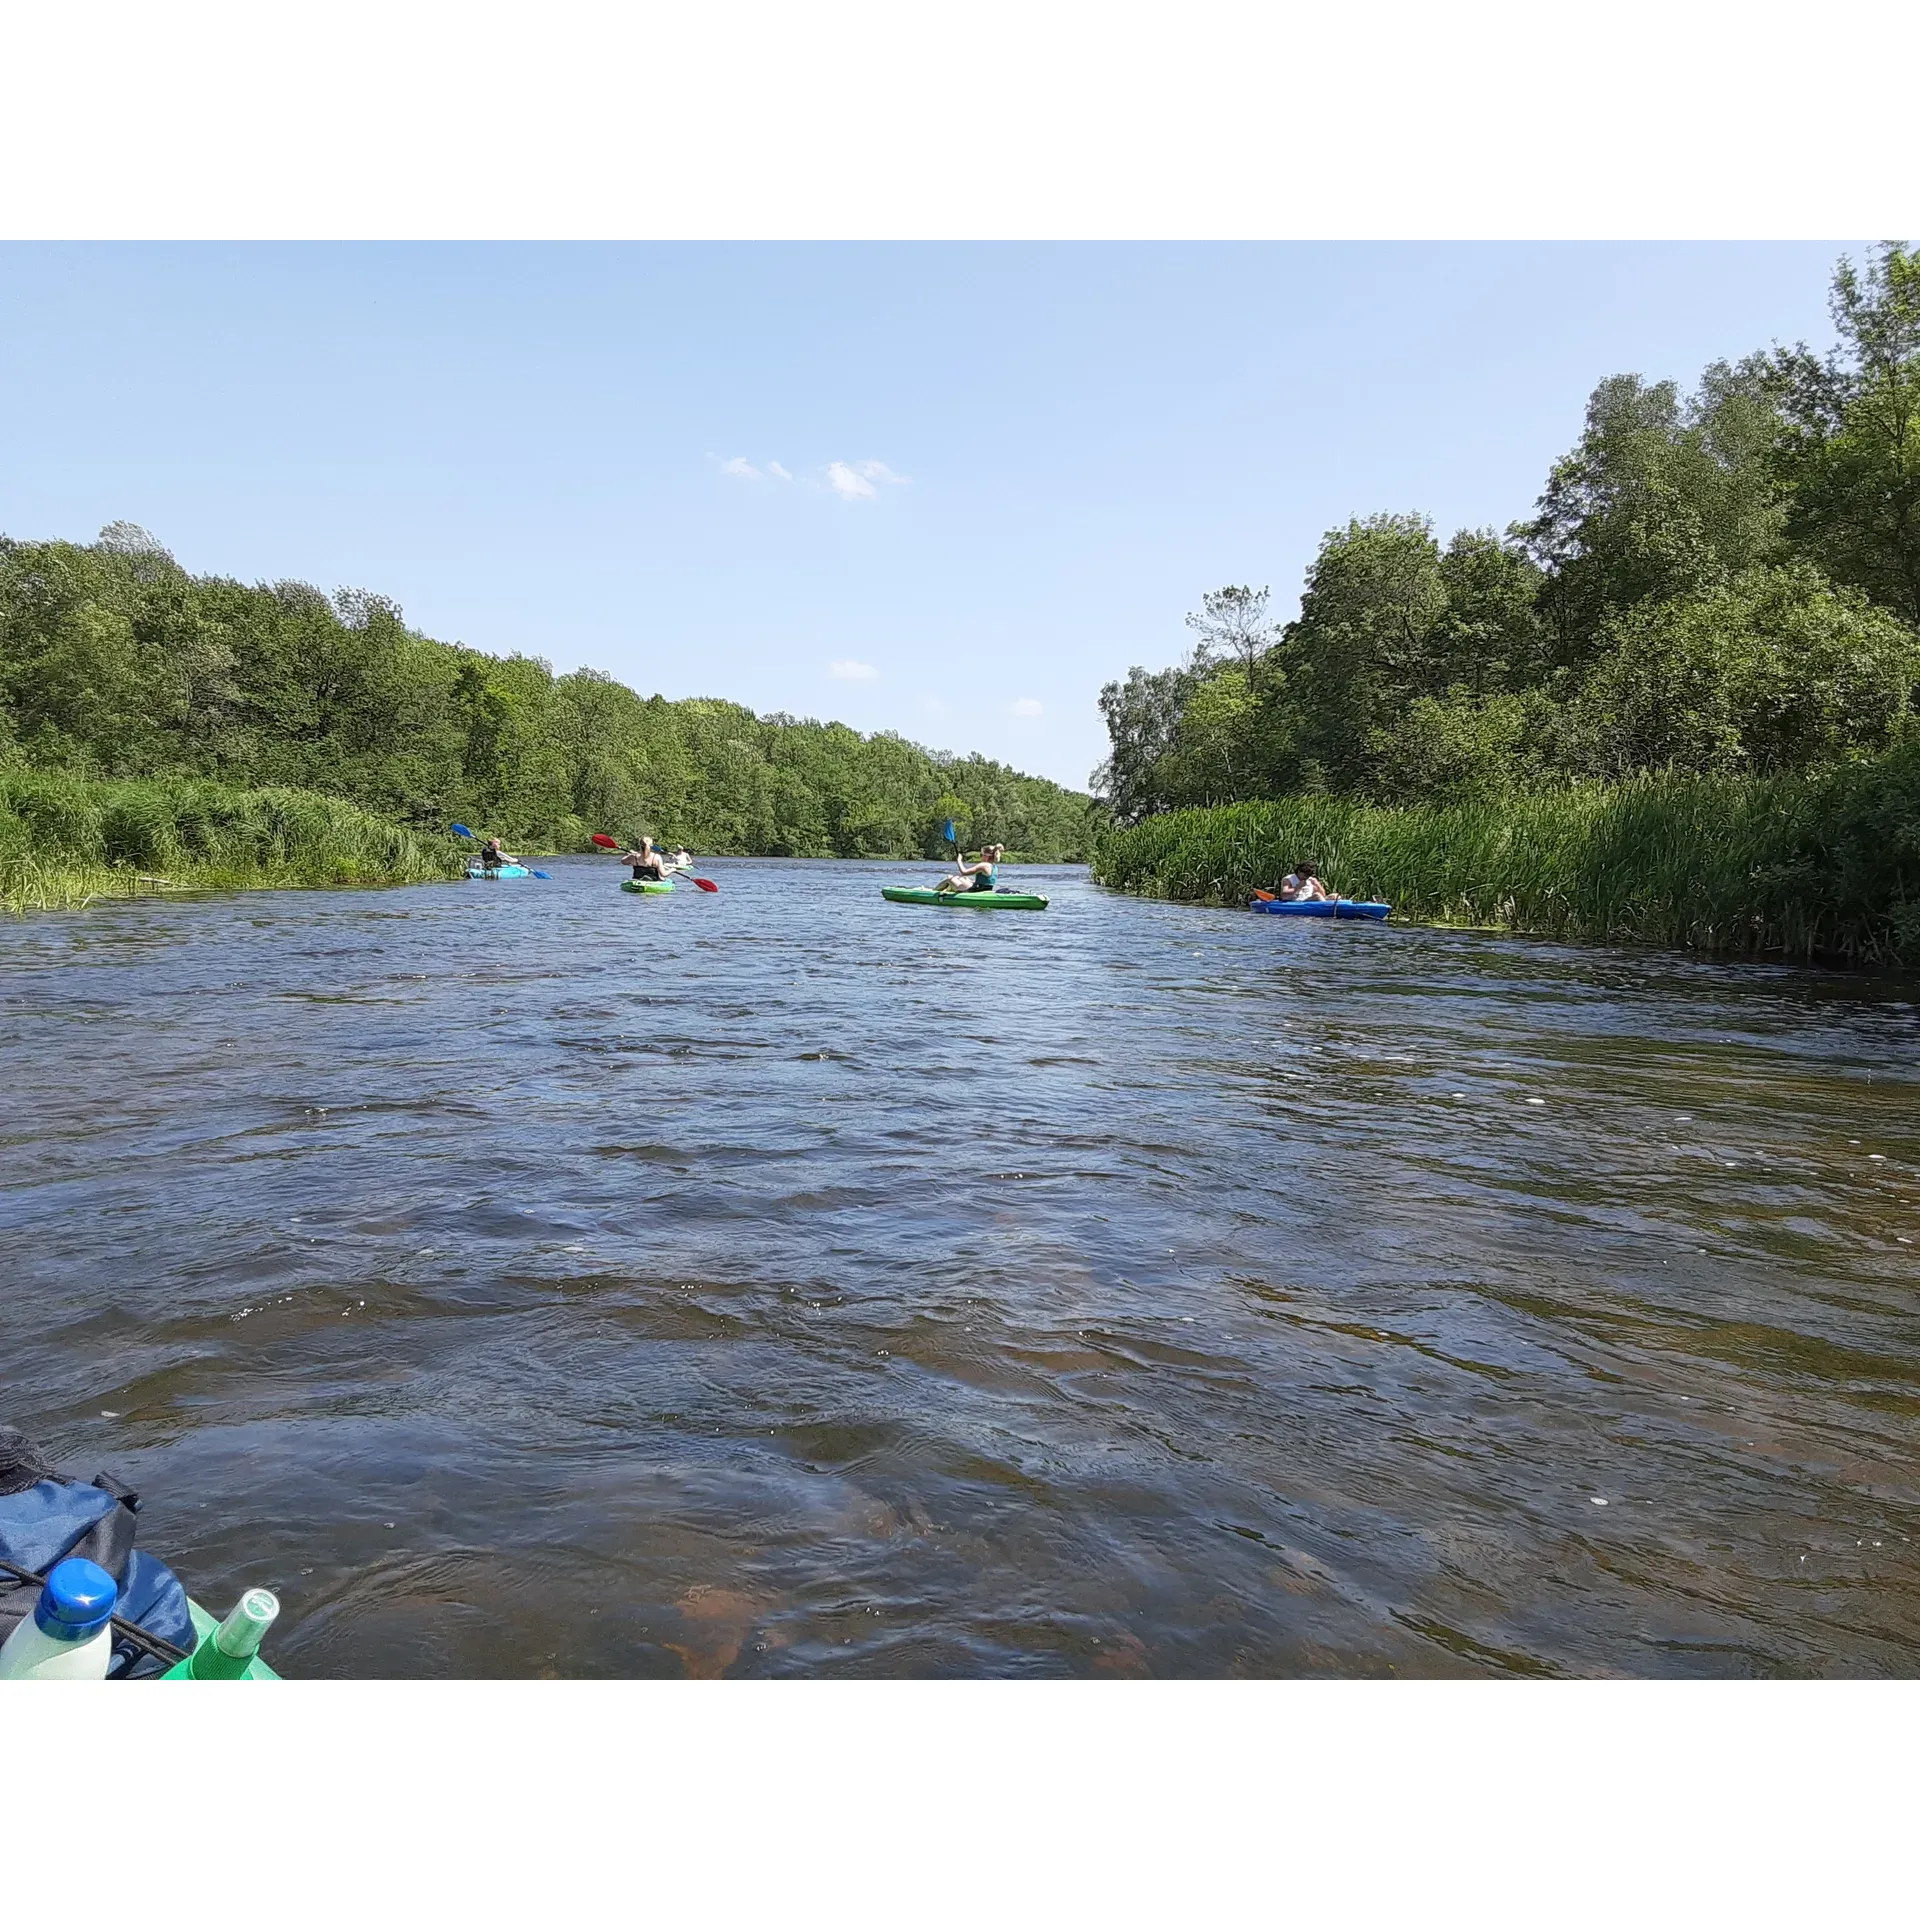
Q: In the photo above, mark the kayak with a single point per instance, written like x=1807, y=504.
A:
x=1326, y=909
x=646, y=886
x=999, y=897
x=497, y=873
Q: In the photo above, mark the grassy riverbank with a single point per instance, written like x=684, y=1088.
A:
x=1822, y=865
x=65, y=840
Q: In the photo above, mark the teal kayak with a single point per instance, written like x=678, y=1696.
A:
x=1325, y=909
x=497, y=873
x=1001, y=897
x=646, y=886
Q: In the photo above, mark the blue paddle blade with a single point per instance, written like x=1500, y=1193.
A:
x=948, y=831
x=538, y=875
x=465, y=833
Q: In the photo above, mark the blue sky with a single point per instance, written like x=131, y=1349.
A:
x=948, y=490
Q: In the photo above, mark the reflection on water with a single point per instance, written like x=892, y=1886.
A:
x=543, y=1280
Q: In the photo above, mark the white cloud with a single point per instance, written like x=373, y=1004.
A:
x=850, y=479
x=853, y=670
x=848, y=484
x=1025, y=709
x=853, y=479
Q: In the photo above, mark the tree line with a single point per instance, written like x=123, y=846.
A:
x=1725, y=581
x=116, y=663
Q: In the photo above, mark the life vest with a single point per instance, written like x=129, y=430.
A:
x=45, y=1517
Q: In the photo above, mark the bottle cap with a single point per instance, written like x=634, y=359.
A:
x=76, y=1602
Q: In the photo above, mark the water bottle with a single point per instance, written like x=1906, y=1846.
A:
x=67, y=1636
x=227, y=1652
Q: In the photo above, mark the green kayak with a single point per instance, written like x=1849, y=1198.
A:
x=999, y=897
x=646, y=886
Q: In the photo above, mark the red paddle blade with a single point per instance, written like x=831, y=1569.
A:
x=603, y=840
x=705, y=886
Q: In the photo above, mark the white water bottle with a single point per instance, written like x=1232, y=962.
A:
x=68, y=1635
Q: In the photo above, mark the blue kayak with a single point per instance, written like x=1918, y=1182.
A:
x=1326, y=909
x=497, y=873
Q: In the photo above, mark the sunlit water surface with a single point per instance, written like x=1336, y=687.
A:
x=533, y=1279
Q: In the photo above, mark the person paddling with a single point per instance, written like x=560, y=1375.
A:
x=974, y=876
x=1304, y=883
x=645, y=860
x=493, y=855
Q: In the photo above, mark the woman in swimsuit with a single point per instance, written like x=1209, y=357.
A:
x=974, y=876
x=645, y=860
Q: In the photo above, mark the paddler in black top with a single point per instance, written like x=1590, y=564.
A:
x=493, y=854
x=645, y=860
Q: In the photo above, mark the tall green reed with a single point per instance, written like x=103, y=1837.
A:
x=65, y=839
x=1823, y=865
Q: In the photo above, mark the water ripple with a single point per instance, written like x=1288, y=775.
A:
x=536, y=1281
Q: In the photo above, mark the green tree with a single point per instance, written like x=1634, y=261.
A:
x=1490, y=637
x=1363, y=645
x=1714, y=580
x=1460, y=746
x=1850, y=451
x=113, y=660
x=1218, y=747
x=1661, y=497
x=1770, y=671
x=1225, y=731
x=1143, y=714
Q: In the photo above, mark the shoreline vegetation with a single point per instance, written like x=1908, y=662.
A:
x=66, y=841
x=118, y=668
x=1677, y=705
x=1822, y=866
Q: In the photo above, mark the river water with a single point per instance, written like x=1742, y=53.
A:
x=531, y=1279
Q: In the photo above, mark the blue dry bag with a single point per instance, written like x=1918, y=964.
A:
x=45, y=1518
